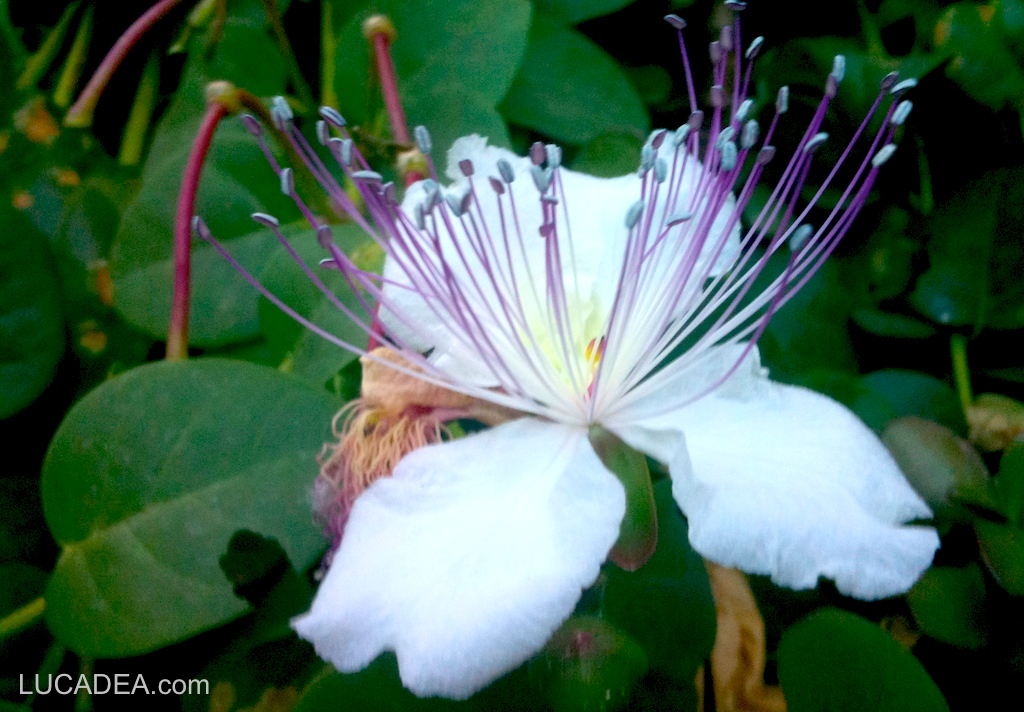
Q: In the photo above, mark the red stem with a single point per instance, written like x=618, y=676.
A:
x=389, y=87
x=177, y=334
x=80, y=114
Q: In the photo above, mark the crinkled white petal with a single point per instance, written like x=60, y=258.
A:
x=469, y=557
x=786, y=482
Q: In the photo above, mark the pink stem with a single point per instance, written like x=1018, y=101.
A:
x=80, y=114
x=177, y=334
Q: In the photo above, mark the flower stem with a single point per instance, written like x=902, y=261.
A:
x=961, y=373
x=379, y=30
x=40, y=61
x=134, y=138
x=80, y=115
x=277, y=27
x=19, y=620
x=328, y=55
x=75, y=61
x=177, y=335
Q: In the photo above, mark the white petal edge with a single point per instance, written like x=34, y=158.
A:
x=787, y=482
x=469, y=557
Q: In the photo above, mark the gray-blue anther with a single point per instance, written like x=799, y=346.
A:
x=676, y=21
x=741, y=113
x=729, y=154
x=646, y=159
x=680, y=215
x=883, y=155
x=419, y=217
x=815, y=142
x=782, y=100
x=281, y=106
x=333, y=117
x=367, y=176
x=799, y=237
x=839, y=67
x=634, y=213
x=266, y=219
x=680, y=136
x=345, y=153
x=904, y=85
x=505, y=169
x=660, y=170
x=751, y=132
x=755, y=48
x=901, y=113
x=423, y=139
x=725, y=135
x=554, y=155
x=323, y=134
x=287, y=181
x=541, y=177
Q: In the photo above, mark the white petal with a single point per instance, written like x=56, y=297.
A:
x=786, y=482
x=469, y=557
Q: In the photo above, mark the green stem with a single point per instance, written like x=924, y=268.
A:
x=27, y=615
x=277, y=27
x=328, y=54
x=40, y=61
x=927, y=196
x=134, y=138
x=961, y=373
x=75, y=62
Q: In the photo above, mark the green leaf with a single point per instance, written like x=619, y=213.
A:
x=568, y=88
x=975, y=257
x=979, y=59
x=146, y=481
x=588, y=665
x=891, y=325
x=914, y=393
x=941, y=467
x=833, y=660
x=376, y=688
x=236, y=182
x=1010, y=483
x=949, y=605
x=572, y=12
x=609, y=155
x=31, y=323
x=455, y=60
x=666, y=605
x=1002, y=550
x=304, y=352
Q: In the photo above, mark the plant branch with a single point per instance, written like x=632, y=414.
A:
x=19, y=620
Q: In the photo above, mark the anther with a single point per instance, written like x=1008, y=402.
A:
x=505, y=169
x=725, y=135
x=367, y=176
x=389, y=193
x=431, y=193
x=901, y=113
x=325, y=237
x=333, y=117
x=200, y=229
x=266, y=219
x=717, y=96
x=904, y=85
x=646, y=159
x=695, y=120
x=782, y=100
x=736, y=5
x=715, y=52
x=681, y=134
x=252, y=125
x=660, y=170
x=765, y=155
x=657, y=138
x=346, y=151
x=883, y=155
x=287, y=181
x=839, y=67
x=537, y=153
x=680, y=215
x=634, y=213
x=541, y=177
x=281, y=107
x=676, y=21
x=497, y=186
x=755, y=48
x=831, y=86
x=799, y=237
x=815, y=142
x=751, y=132
x=466, y=166
x=549, y=199
x=418, y=217
x=553, y=155
x=729, y=154
x=741, y=113
x=423, y=139
x=889, y=81
x=458, y=204
x=725, y=37
x=323, y=135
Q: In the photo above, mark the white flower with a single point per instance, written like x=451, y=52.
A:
x=579, y=301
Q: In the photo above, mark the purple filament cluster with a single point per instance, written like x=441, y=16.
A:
x=681, y=277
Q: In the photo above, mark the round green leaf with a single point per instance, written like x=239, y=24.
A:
x=572, y=12
x=570, y=89
x=914, y=393
x=949, y=605
x=31, y=323
x=836, y=661
x=1002, y=549
x=609, y=155
x=377, y=688
x=147, y=479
